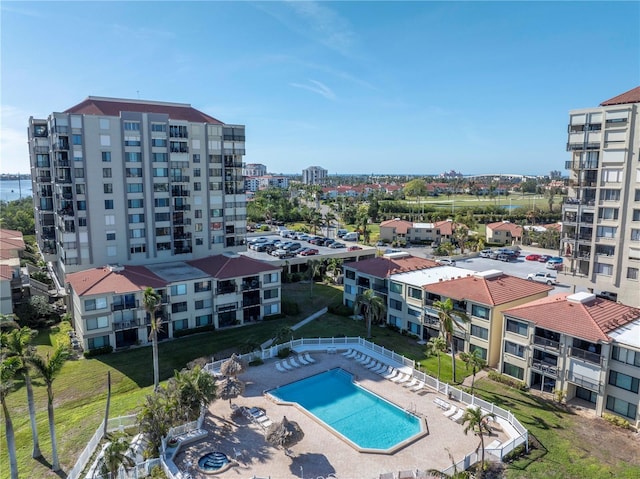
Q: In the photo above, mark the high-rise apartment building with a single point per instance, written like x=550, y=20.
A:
x=601, y=217
x=314, y=175
x=135, y=182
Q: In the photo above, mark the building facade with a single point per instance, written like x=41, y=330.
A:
x=254, y=169
x=585, y=346
x=135, y=182
x=209, y=293
x=314, y=175
x=601, y=217
x=12, y=247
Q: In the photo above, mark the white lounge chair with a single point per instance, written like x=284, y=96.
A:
x=393, y=372
x=293, y=363
x=385, y=370
x=347, y=352
x=366, y=360
x=358, y=357
x=280, y=368
x=411, y=383
x=457, y=416
x=373, y=365
x=418, y=387
x=352, y=354
x=286, y=365
x=401, y=378
x=302, y=360
x=381, y=367
x=452, y=410
x=308, y=357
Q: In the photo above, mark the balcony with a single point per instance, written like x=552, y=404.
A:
x=182, y=250
x=180, y=192
x=40, y=150
x=66, y=211
x=182, y=207
x=380, y=288
x=181, y=236
x=227, y=307
x=583, y=381
x=127, y=324
x=226, y=288
x=582, y=146
x=180, y=179
x=587, y=356
x=546, y=343
x=247, y=302
x=126, y=305
x=545, y=368
x=43, y=179
x=249, y=285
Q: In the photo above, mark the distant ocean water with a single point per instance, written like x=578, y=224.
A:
x=11, y=190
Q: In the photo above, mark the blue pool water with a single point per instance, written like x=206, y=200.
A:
x=365, y=419
x=212, y=461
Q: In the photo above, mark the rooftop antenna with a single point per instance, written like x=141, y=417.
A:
x=138, y=92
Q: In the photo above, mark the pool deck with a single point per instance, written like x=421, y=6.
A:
x=321, y=452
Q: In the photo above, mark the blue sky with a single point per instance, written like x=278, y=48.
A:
x=354, y=87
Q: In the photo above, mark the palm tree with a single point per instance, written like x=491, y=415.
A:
x=115, y=456
x=194, y=390
x=18, y=344
x=151, y=300
x=373, y=306
x=329, y=217
x=314, y=266
x=334, y=266
x=9, y=368
x=283, y=334
x=475, y=361
x=478, y=422
x=48, y=369
x=449, y=320
x=435, y=346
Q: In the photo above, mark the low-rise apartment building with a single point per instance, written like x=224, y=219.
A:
x=401, y=230
x=11, y=248
x=585, y=346
x=219, y=291
x=503, y=232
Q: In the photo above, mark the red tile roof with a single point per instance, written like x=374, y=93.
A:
x=104, y=281
x=491, y=291
x=401, y=226
x=631, y=96
x=592, y=320
x=385, y=267
x=226, y=267
x=446, y=227
x=515, y=229
x=6, y=271
x=114, y=106
x=11, y=242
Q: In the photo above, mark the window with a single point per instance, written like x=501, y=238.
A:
x=479, y=311
x=163, y=217
x=180, y=324
x=415, y=293
x=198, y=227
x=137, y=233
x=608, y=213
x=271, y=309
x=164, y=231
x=197, y=186
x=134, y=172
x=158, y=127
x=81, y=205
x=199, y=241
x=609, y=195
x=161, y=187
x=413, y=312
x=80, y=188
x=270, y=278
x=514, y=348
x=635, y=234
x=136, y=218
x=197, y=213
x=138, y=203
x=196, y=172
x=105, y=140
x=97, y=323
x=349, y=289
x=621, y=407
x=395, y=287
x=479, y=332
x=77, y=156
x=204, y=320
x=82, y=221
x=624, y=381
x=108, y=204
x=201, y=286
x=109, y=220
x=131, y=126
x=602, y=268
x=76, y=139
x=179, y=307
x=481, y=351
x=95, y=304
x=632, y=273
x=107, y=188
x=164, y=246
x=606, y=232
x=204, y=303
x=513, y=371
x=161, y=202
x=106, y=156
x=614, y=176
x=350, y=274
x=178, y=289
x=111, y=235
x=636, y=215
x=517, y=327
x=395, y=304
x=42, y=161
x=160, y=172
x=159, y=142
x=196, y=158
x=78, y=172
x=138, y=248
x=218, y=212
x=626, y=356
x=134, y=188
x=98, y=342
x=133, y=156
x=131, y=141
x=106, y=172
x=159, y=157
x=636, y=196
x=270, y=293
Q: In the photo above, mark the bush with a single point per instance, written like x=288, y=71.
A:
x=256, y=362
x=509, y=381
x=271, y=317
x=515, y=454
x=289, y=308
x=616, y=420
x=284, y=353
x=340, y=310
x=186, y=332
x=98, y=351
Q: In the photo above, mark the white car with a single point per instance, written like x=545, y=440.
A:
x=485, y=253
x=543, y=277
x=446, y=261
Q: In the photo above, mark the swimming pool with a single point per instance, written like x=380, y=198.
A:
x=365, y=420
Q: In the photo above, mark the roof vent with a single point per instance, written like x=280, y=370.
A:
x=115, y=268
x=582, y=297
x=230, y=254
x=489, y=274
x=398, y=255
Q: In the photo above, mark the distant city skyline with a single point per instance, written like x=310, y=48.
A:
x=411, y=88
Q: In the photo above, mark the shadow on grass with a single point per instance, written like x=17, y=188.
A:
x=536, y=452
x=47, y=464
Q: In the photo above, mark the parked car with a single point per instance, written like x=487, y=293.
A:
x=308, y=252
x=380, y=243
x=256, y=241
x=341, y=232
x=532, y=257
x=543, y=277
x=282, y=253
x=353, y=248
x=353, y=236
x=506, y=257
x=336, y=245
x=485, y=253
x=555, y=259
x=446, y=261
x=261, y=247
x=544, y=258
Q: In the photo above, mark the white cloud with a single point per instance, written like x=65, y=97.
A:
x=14, y=152
x=317, y=87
